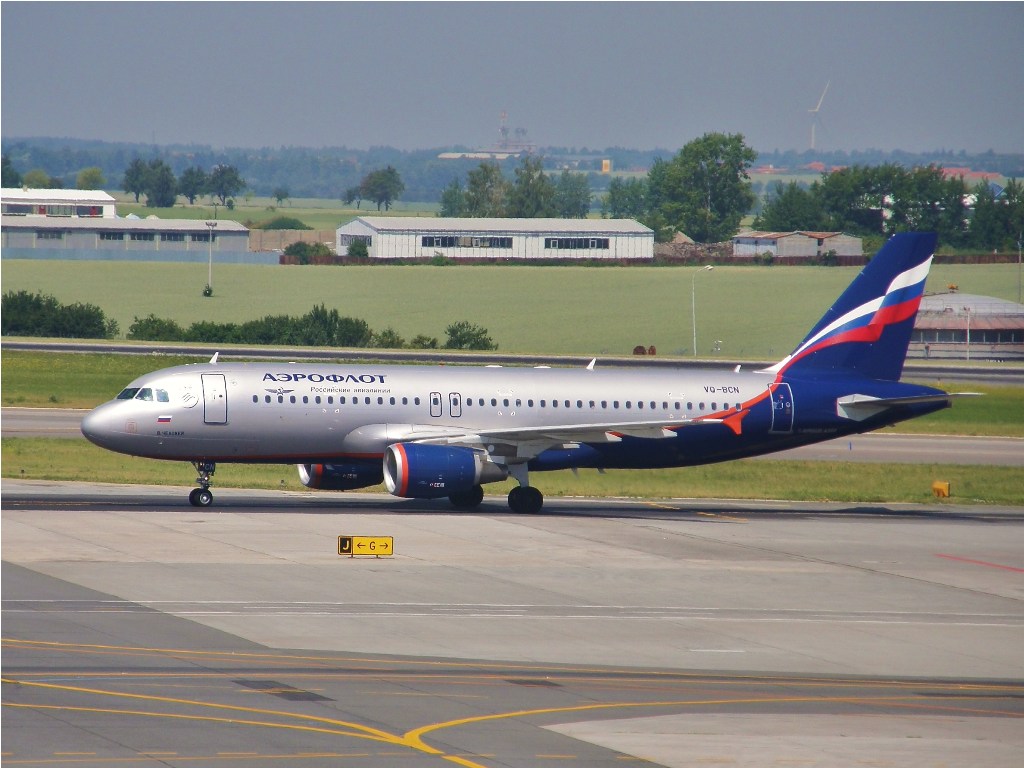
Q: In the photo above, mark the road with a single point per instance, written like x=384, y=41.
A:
x=873, y=447
x=139, y=630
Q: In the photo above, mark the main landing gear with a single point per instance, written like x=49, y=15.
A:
x=201, y=496
x=524, y=499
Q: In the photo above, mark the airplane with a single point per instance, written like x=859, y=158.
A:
x=434, y=431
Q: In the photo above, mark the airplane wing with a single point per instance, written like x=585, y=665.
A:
x=523, y=443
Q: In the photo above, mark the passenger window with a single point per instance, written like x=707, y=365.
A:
x=266, y=398
x=714, y=406
x=640, y=404
x=145, y=394
x=505, y=402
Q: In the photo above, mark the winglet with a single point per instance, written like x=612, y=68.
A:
x=591, y=365
x=213, y=360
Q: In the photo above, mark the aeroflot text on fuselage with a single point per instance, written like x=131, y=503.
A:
x=333, y=378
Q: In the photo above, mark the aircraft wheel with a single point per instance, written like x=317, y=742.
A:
x=469, y=499
x=525, y=500
x=200, y=497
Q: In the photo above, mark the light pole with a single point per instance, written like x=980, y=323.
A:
x=693, y=302
x=209, y=279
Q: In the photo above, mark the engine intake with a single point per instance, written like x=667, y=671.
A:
x=340, y=477
x=417, y=471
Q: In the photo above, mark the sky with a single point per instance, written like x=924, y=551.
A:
x=918, y=76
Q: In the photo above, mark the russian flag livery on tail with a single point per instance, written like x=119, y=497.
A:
x=430, y=432
x=868, y=329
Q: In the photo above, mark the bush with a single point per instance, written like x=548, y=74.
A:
x=465, y=335
x=358, y=249
x=153, y=328
x=34, y=314
x=282, y=222
x=422, y=341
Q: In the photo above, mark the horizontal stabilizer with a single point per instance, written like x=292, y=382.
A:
x=859, y=407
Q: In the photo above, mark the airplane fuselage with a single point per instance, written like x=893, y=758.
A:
x=316, y=413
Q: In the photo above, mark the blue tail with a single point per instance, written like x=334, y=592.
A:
x=867, y=331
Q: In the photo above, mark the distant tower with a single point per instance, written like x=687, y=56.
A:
x=503, y=131
x=815, y=120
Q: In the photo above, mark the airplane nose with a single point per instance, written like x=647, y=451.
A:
x=98, y=427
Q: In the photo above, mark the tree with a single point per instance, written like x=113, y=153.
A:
x=11, y=178
x=788, y=208
x=466, y=335
x=626, y=199
x=90, y=178
x=572, y=196
x=135, y=178
x=161, y=186
x=704, y=190
x=353, y=194
x=193, y=183
x=281, y=194
x=486, y=192
x=532, y=194
x=453, y=200
x=40, y=179
x=382, y=187
x=225, y=182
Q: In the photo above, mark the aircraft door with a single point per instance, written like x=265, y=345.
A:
x=215, y=398
x=455, y=404
x=782, y=408
x=435, y=404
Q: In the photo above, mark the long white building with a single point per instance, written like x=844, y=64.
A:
x=412, y=237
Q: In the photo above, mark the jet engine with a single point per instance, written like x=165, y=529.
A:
x=418, y=471
x=339, y=477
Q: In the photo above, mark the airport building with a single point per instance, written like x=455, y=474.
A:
x=796, y=245
x=77, y=224
x=411, y=237
x=964, y=326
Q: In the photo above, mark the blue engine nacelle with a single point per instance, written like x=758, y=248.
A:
x=416, y=471
x=340, y=477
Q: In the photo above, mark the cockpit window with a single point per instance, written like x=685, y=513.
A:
x=128, y=394
x=145, y=394
x=162, y=397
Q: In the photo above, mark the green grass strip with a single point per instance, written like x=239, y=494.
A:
x=77, y=460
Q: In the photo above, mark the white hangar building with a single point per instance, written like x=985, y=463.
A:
x=410, y=237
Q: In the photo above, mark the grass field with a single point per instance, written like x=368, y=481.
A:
x=314, y=213
x=77, y=460
x=756, y=312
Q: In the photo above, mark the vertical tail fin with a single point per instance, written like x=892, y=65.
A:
x=867, y=330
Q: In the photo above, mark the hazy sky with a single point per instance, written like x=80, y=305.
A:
x=913, y=76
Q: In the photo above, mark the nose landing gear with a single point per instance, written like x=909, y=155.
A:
x=201, y=496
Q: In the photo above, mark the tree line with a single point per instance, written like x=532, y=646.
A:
x=320, y=327
x=24, y=313
x=882, y=200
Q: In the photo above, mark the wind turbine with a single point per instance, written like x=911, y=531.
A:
x=816, y=120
